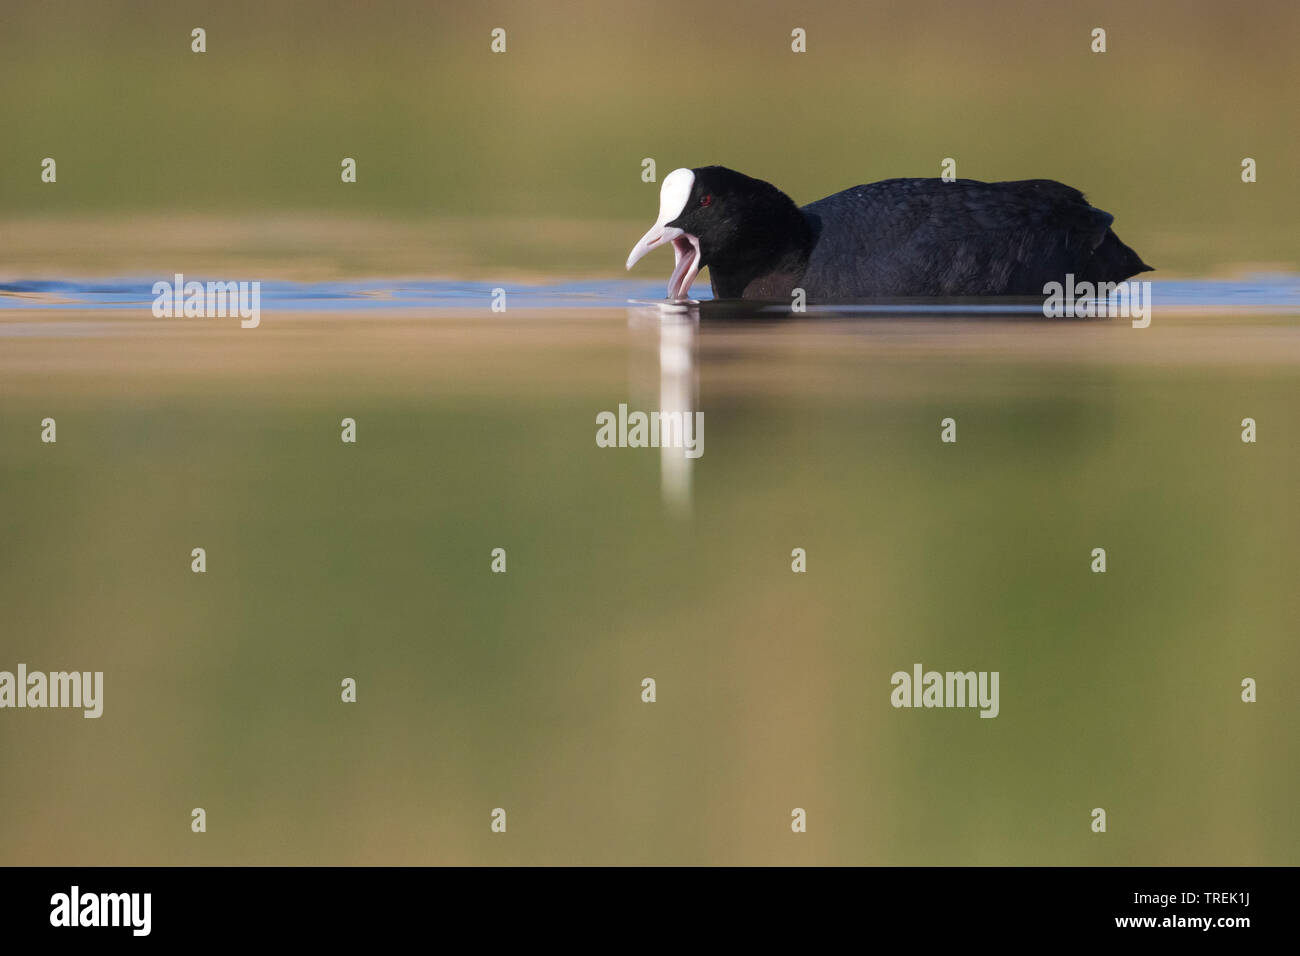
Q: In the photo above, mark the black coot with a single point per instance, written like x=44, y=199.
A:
x=899, y=237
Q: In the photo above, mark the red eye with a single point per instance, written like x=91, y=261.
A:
x=706, y=199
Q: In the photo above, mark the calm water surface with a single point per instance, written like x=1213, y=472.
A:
x=476, y=430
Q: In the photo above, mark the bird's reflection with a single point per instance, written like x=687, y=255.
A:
x=668, y=334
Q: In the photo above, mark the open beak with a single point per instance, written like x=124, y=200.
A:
x=686, y=247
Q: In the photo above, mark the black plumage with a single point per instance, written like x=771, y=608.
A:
x=899, y=237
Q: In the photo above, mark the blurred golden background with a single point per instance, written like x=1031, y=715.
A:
x=530, y=160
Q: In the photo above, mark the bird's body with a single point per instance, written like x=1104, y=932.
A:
x=895, y=238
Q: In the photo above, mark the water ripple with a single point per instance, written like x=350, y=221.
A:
x=1272, y=292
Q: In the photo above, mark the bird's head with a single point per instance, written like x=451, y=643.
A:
x=713, y=215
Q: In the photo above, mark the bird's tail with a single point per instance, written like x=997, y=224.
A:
x=1112, y=261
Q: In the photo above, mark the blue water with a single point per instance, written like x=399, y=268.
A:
x=1266, y=292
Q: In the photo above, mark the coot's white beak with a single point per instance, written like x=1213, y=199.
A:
x=673, y=196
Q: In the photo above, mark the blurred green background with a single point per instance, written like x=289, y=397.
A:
x=532, y=158
x=478, y=690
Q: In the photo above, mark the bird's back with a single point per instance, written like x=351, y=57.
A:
x=930, y=237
